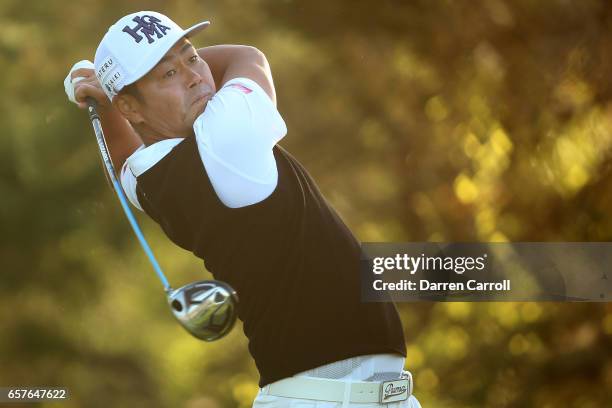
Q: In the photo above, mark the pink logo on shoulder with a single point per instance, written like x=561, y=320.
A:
x=243, y=88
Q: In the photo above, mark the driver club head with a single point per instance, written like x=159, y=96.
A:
x=206, y=309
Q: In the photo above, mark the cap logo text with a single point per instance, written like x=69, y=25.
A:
x=105, y=67
x=110, y=83
x=148, y=26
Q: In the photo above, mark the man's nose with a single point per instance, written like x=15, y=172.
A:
x=193, y=78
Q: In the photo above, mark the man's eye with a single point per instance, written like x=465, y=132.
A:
x=193, y=58
x=170, y=73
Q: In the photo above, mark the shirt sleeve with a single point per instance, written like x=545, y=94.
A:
x=235, y=137
x=128, y=183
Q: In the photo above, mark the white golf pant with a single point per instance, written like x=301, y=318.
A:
x=379, y=367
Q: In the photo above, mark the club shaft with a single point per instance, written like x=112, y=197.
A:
x=110, y=170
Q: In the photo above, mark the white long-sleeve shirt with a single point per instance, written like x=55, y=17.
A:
x=235, y=135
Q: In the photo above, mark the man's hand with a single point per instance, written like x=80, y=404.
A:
x=121, y=138
x=81, y=82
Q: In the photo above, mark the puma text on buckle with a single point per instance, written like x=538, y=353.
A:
x=394, y=391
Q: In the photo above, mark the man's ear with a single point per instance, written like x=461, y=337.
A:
x=129, y=107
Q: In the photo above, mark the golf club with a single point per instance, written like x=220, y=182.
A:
x=206, y=309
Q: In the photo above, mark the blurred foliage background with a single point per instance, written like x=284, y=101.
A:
x=440, y=120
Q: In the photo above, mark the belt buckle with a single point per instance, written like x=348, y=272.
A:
x=395, y=390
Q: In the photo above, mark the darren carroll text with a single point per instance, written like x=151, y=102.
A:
x=424, y=284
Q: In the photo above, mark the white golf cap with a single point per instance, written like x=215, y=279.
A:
x=134, y=45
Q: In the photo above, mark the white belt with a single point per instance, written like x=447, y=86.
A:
x=324, y=389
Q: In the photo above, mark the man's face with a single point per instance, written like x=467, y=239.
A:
x=176, y=91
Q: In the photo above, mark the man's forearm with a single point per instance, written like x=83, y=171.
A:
x=220, y=57
x=121, y=139
x=231, y=61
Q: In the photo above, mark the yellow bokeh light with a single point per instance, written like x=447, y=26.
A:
x=471, y=145
x=465, y=189
x=500, y=142
x=607, y=324
x=458, y=310
x=457, y=343
x=485, y=221
x=415, y=357
x=427, y=380
x=435, y=109
x=498, y=236
x=531, y=312
x=244, y=390
x=577, y=177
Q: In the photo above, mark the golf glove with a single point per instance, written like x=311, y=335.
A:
x=69, y=82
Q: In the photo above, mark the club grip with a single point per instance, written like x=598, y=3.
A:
x=91, y=108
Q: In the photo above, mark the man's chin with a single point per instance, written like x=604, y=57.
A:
x=196, y=114
x=199, y=109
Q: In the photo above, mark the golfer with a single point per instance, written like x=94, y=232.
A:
x=194, y=133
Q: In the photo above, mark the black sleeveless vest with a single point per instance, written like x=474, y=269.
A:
x=290, y=258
